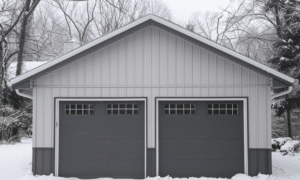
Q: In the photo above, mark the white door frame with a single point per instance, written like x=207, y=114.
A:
x=245, y=108
x=57, y=101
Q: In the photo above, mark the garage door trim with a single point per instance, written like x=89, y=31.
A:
x=57, y=102
x=245, y=117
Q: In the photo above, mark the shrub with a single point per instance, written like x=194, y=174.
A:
x=10, y=125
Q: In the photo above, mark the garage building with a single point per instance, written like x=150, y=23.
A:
x=149, y=99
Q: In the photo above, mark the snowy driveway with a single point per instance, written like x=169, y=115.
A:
x=15, y=164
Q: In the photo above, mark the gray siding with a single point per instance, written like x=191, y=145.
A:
x=153, y=63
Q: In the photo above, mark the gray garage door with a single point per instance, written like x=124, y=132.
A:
x=101, y=139
x=198, y=138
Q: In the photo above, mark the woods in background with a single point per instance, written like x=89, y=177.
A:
x=265, y=30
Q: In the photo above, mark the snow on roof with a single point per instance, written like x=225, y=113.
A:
x=27, y=66
x=275, y=74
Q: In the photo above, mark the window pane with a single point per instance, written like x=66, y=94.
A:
x=187, y=112
x=129, y=111
x=235, y=112
x=187, y=105
x=108, y=106
x=229, y=105
x=91, y=111
x=166, y=105
x=136, y=112
x=167, y=112
x=73, y=112
x=193, y=112
x=210, y=106
x=91, y=106
x=115, y=105
x=179, y=111
x=86, y=112
x=234, y=105
x=216, y=111
x=129, y=105
x=67, y=112
x=79, y=106
x=115, y=111
x=193, y=105
x=172, y=105
x=216, y=105
x=172, y=112
x=122, y=111
x=79, y=111
x=122, y=105
x=222, y=105
x=73, y=106
x=179, y=105
x=136, y=106
x=229, y=111
x=222, y=111
x=209, y=111
x=67, y=106
x=108, y=111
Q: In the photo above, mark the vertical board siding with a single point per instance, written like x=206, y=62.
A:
x=153, y=63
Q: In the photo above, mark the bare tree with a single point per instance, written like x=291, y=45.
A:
x=28, y=10
x=78, y=16
x=10, y=14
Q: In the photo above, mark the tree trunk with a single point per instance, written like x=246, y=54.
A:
x=278, y=28
x=289, y=124
x=22, y=38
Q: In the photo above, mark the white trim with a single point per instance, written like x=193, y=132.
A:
x=104, y=100
x=245, y=106
x=166, y=23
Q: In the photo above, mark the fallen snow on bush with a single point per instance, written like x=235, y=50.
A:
x=290, y=146
x=282, y=140
x=15, y=164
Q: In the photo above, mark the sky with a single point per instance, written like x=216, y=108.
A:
x=183, y=9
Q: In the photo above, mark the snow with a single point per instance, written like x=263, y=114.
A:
x=281, y=140
x=15, y=164
x=290, y=146
x=15, y=160
x=28, y=65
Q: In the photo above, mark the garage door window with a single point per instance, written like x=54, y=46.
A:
x=180, y=109
x=126, y=109
x=220, y=108
x=79, y=109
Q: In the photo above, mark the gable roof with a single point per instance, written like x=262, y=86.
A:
x=280, y=79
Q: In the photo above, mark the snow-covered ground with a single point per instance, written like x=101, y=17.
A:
x=15, y=164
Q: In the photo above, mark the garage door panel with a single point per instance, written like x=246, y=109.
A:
x=102, y=144
x=205, y=129
x=201, y=168
x=201, y=149
x=203, y=143
x=102, y=129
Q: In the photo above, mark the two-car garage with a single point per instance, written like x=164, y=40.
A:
x=107, y=138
